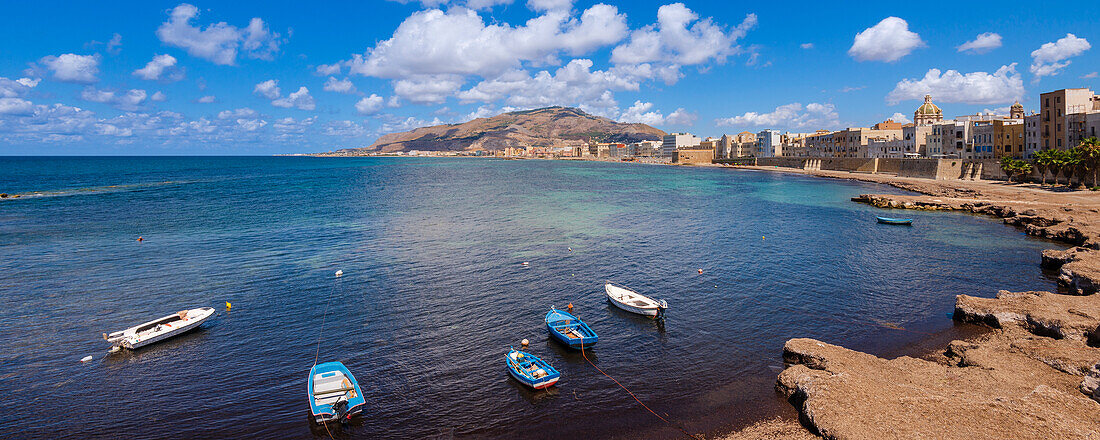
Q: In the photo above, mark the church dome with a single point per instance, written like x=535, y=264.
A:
x=928, y=108
x=1017, y=106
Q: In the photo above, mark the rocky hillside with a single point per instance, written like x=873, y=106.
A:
x=544, y=127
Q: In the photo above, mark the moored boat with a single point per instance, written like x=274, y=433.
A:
x=569, y=329
x=634, y=302
x=159, y=329
x=334, y=393
x=895, y=221
x=530, y=370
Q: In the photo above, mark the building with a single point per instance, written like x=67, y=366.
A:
x=1008, y=138
x=647, y=148
x=743, y=145
x=724, y=147
x=676, y=141
x=1081, y=126
x=769, y=143
x=852, y=142
x=820, y=144
x=693, y=156
x=927, y=113
x=914, y=140
x=1016, y=111
x=794, y=144
x=711, y=143
x=1032, y=139
x=981, y=140
x=1054, y=106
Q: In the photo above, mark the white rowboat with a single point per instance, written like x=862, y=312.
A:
x=159, y=329
x=634, y=302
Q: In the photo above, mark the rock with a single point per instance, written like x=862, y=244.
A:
x=774, y=429
x=1042, y=313
x=3, y=195
x=1091, y=384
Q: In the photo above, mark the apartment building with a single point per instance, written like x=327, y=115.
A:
x=1054, y=106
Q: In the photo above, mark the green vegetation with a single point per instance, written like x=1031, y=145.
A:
x=1079, y=161
x=1015, y=167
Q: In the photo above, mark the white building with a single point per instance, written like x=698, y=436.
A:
x=1032, y=138
x=769, y=143
x=675, y=141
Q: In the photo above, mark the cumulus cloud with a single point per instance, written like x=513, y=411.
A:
x=900, y=117
x=339, y=86
x=268, y=89
x=300, y=100
x=160, y=67
x=1004, y=85
x=806, y=45
x=218, y=42
x=128, y=100
x=887, y=41
x=459, y=42
x=396, y=124
x=427, y=89
x=240, y=113
x=1051, y=58
x=208, y=99
x=982, y=43
x=329, y=69
x=574, y=84
x=73, y=68
x=794, y=115
x=346, y=129
x=369, y=105
x=158, y=97
x=1090, y=75
x=16, y=106
x=642, y=112
x=16, y=88
x=680, y=38
x=550, y=5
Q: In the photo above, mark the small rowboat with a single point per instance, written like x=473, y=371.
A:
x=531, y=370
x=895, y=221
x=569, y=329
x=333, y=393
x=634, y=302
x=159, y=329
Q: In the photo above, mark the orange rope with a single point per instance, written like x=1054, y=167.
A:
x=677, y=425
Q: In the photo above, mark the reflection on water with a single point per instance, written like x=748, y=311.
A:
x=433, y=293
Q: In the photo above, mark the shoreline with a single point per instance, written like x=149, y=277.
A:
x=1033, y=373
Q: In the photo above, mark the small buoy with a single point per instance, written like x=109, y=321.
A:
x=85, y=359
x=228, y=306
x=570, y=306
x=762, y=237
x=525, y=263
x=339, y=273
x=570, y=249
x=700, y=270
x=140, y=239
x=524, y=342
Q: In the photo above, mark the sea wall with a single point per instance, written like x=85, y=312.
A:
x=939, y=169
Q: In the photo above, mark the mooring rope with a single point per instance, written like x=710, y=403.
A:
x=320, y=334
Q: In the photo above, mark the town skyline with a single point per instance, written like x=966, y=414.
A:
x=183, y=78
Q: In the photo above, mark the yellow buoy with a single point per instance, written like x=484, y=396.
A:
x=524, y=342
x=228, y=306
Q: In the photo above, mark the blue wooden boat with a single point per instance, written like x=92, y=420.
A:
x=569, y=329
x=895, y=221
x=333, y=393
x=531, y=370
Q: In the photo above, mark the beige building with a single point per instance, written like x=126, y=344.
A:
x=693, y=156
x=1081, y=126
x=1032, y=137
x=927, y=113
x=1008, y=138
x=742, y=144
x=1054, y=106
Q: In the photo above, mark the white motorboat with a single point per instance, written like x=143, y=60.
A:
x=634, y=302
x=159, y=329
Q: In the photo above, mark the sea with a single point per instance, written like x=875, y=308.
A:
x=448, y=262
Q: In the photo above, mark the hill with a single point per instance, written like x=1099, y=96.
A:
x=544, y=127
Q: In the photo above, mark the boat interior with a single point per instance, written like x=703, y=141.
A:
x=156, y=325
x=530, y=368
x=332, y=386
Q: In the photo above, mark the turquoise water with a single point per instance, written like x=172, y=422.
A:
x=434, y=293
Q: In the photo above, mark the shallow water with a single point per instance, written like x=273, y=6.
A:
x=434, y=293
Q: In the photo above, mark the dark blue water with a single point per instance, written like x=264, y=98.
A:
x=434, y=293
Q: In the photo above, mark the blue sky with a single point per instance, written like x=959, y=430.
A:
x=283, y=77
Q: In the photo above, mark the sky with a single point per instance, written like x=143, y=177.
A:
x=244, y=78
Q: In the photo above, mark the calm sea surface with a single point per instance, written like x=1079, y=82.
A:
x=434, y=291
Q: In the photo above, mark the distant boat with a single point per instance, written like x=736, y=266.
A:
x=569, y=329
x=159, y=329
x=531, y=370
x=333, y=393
x=895, y=221
x=634, y=302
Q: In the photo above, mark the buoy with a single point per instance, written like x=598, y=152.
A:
x=570, y=307
x=140, y=239
x=570, y=249
x=524, y=342
x=524, y=263
x=228, y=306
x=86, y=359
x=339, y=273
x=762, y=237
x=700, y=270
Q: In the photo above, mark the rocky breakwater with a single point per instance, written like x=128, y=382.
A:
x=1035, y=375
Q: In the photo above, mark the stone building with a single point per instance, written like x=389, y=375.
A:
x=927, y=113
x=1054, y=106
x=675, y=141
x=1008, y=138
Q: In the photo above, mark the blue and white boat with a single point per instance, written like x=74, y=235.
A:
x=531, y=370
x=333, y=393
x=895, y=221
x=569, y=329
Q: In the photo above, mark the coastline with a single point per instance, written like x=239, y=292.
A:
x=1034, y=372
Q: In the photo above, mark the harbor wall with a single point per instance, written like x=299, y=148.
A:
x=939, y=169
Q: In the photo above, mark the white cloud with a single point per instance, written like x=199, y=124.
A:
x=16, y=106
x=16, y=88
x=888, y=41
x=369, y=105
x=73, y=68
x=28, y=82
x=339, y=86
x=218, y=42
x=806, y=45
x=160, y=67
x=1050, y=58
x=268, y=89
x=900, y=117
x=128, y=100
x=458, y=42
x=115, y=43
x=329, y=69
x=550, y=5
x=795, y=116
x=345, y=129
x=158, y=97
x=241, y=113
x=678, y=38
x=1004, y=85
x=1090, y=75
x=572, y=85
x=427, y=89
x=289, y=127
x=982, y=43
x=300, y=100
x=208, y=99
x=641, y=112
x=398, y=124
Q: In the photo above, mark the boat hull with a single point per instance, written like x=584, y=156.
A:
x=576, y=343
x=536, y=385
x=517, y=360
x=324, y=412
x=895, y=221
x=133, y=340
x=618, y=296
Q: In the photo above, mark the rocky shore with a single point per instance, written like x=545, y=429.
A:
x=1036, y=375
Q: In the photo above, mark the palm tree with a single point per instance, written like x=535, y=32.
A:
x=1043, y=160
x=1089, y=152
x=1060, y=163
